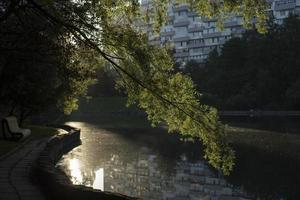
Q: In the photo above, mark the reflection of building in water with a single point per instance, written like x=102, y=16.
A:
x=143, y=178
x=79, y=176
x=99, y=179
x=127, y=167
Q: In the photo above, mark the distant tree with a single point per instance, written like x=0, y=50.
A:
x=193, y=69
x=255, y=71
x=105, y=84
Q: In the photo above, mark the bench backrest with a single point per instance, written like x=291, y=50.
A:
x=13, y=123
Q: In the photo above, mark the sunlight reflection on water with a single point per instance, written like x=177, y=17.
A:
x=99, y=179
x=143, y=164
x=76, y=174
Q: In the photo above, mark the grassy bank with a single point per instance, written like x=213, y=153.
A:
x=266, y=141
x=37, y=132
x=267, y=163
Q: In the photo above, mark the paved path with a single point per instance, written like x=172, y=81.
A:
x=15, y=183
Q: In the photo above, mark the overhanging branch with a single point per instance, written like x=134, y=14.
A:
x=80, y=35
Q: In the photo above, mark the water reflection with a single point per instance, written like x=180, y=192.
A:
x=75, y=172
x=99, y=179
x=132, y=164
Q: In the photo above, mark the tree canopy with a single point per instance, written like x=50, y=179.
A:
x=38, y=67
x=255, y=71
x=107, y=30
x=253, y=12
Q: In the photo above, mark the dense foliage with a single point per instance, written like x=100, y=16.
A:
x=106, y=32
x=251, y=11
x=39, y=68
x=255, y=71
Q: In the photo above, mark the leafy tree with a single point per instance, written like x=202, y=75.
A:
x=39, y=69
x=107, y=29
x=220, y=10
x=255, y=71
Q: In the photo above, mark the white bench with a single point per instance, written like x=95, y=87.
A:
x=10, y=125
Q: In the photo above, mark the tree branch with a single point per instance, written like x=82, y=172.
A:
x=75, y=31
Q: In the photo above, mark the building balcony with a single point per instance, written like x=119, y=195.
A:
x=232, y=24
x=206, y=51
x=181, y=7
x=192, y=14
x=285, y=5
x=195, y=29
x=181, y=23
x=196, y=54
x=223, y=41
x=199, y=54
x=145, y=3
x=211, y=35
x=196, y=45
x=181, y=39
x=206, y=19
x=239, y=31
x=167, y=33
x=181, y=54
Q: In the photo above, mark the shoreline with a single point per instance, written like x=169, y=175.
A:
x=54, y=182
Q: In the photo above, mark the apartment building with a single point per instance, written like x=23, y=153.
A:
x=194, y=36
x=283, y=8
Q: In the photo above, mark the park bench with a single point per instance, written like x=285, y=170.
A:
x=11, y=129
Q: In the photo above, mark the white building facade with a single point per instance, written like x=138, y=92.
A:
x=194, y=36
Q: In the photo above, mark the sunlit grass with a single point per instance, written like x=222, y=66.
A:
x=267, y=141
x=267, y=163
x=6, y=146
x=37, y=132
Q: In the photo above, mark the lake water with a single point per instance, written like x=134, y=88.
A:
x=146, y=163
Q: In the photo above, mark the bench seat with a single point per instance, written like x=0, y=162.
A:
x=11, y=127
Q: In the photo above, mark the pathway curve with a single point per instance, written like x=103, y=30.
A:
x=15, y=182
